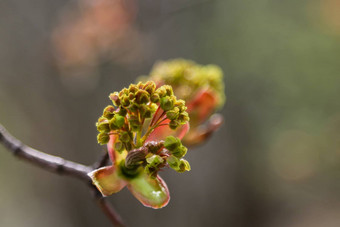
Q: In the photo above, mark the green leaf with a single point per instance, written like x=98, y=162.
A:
x=151, y=192
x=107, y=180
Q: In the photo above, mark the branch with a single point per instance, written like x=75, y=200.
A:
x=48, y=162
x=107, y=208
x=59, y=166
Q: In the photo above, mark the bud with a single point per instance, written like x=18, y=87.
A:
x=171, y=143
x=155, y=160
x=161, y=91
x=172, y=114
x=167, y=103
x=109, y=112
x=173, y=162
x=168, y=90
x=122, y=111
x=103, y=126
x=131, y=96
x=124, y=137
x=183, y=166
x=119, y=146
x=142, y=97
x=125, y=101
x=183, y=117
x=133, y=88
x=145, y=111
x=154, y=98
x=150, y=87
x=115, y=98
x=173, y=124
x=103, y=138
x=117, y=122
x=179, y=151
x=134, y=123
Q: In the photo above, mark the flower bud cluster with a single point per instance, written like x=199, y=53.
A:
x=127, y=120
x=187, y=77
x=168, y=153
x=177, y=152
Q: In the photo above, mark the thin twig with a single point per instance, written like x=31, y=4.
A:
x=48, y=162
x=59, y=166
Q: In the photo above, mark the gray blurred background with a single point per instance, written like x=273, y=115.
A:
x=276, y=160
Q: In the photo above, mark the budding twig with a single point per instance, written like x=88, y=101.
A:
x=59, y=166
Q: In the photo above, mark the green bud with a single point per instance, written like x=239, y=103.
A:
x=174, y=124
x=150, y=87
x=155, y=160
x=171, y=143
x=124, y=137
x=142, y=97
x=131, y=96
x=140, y=85
x=173, y=162
x=117, y=122
x=133, y=88
x=180, y=103
x=154, y=98
x=172, y=114
x=134, y=123
x=145, y=111
x=179, y=151
x=125, y=101
x=183, y=117
x=167, y=103
x=184, y=166
x=133, y=107
x=161, y=91
x=168, y=90
x=103, y=138
x=119, y=146
x=122, y=111
x=109, y=112
x=103, y=126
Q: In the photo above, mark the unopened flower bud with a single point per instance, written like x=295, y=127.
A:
x=161, y=92
x=171, y=143
x=115, y=98
x=145, y=111
x=150, y=87
x=103, y=126
x=122, y=111
x=173, y=162
x=172, y=114
x=117, y=122
x=184, y=166
x=133, y=88
x=167, y=103
x=119, y=146
x=103, y=138
x=173, y=124
x=109, y=112
x=142, y=97
x=154, y=98
x=168, y=90
x=125, y=101
x=124, y=136
x=179, y=151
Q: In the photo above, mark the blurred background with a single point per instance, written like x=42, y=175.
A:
x=275, y=161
